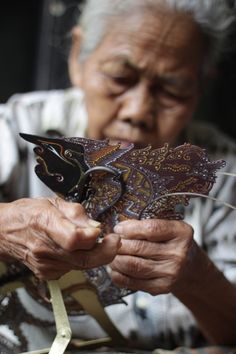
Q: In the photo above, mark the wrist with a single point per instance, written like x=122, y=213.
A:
x=198, y=275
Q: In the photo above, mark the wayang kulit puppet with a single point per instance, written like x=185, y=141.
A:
x=115, y=183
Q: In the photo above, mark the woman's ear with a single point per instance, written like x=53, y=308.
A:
x=73, y=62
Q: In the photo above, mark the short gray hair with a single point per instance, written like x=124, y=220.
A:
x=214, y=18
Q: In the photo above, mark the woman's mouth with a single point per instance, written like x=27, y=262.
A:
x=123, y=143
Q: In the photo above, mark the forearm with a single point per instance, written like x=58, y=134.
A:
x=211, y=298
x=4, y=251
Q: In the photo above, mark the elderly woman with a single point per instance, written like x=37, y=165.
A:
x=137, y=68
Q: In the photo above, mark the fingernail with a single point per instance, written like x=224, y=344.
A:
x=108, y=269
x=94, y=223
x=118, y=229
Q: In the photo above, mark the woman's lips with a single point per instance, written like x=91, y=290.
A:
x=123, y=143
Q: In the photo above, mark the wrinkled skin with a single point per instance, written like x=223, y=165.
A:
x=153, y=255
x=142, y=82
x=52, y=237
x=161, y=256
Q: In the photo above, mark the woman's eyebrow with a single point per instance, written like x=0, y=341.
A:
x=165, y=79
x=123, y=60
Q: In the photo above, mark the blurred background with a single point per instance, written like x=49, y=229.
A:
x=35, y=39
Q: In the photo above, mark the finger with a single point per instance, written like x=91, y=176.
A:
x=47, y=224
x=41, y=252
x=42, y=268
x=140, y=268
x=153, y=250
x=145, y=249
x=77, y=239
x=152, y=229
x=75, y=212
x=152, y=286
x=16, y=252
x=66, y=234
x=103, y=253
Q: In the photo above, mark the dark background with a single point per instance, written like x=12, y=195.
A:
x=34, y=42
x=35, y=38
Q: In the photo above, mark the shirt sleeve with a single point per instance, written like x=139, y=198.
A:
x=20, y=114
x=219, y=226
x=9, y=155
x=214, y=223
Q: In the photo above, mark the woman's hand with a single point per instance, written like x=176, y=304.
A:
x=51, y=237
x=160, y=256
x=154, y=255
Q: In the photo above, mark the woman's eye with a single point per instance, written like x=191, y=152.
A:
x=118, y=84
x=172, y=96
x=122, y=80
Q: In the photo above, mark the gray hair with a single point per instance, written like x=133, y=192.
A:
x=214, y=18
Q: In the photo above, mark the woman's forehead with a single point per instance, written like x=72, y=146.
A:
x=153, y=34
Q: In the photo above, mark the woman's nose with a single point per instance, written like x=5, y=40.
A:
x=138, y=107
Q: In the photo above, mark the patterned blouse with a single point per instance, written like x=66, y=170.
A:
x=149, y=321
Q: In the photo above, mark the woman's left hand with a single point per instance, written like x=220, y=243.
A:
x=154, y=256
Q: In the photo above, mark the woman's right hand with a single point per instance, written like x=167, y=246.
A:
x=52, y=236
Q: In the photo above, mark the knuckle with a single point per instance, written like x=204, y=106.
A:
x=153, y=226
x=126, y=282
x=185, y=241
x=76, y=210
x=160, y=227
x=134, y=266
x=165, y=287
x=79, y=209
x=36, y=248
x=123, y=281
x=138, y=246
x=108, y=259
x=56, y=201
x=71, y=241
x=188, y=231
x=154, y=291
x=72, y=212
x=39, y=220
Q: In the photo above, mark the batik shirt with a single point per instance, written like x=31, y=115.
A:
x=150, y=321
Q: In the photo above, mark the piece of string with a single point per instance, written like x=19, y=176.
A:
x=191, y=194
x=227, y=174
